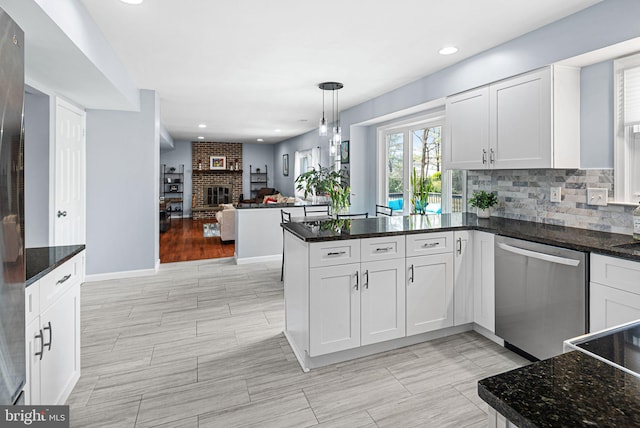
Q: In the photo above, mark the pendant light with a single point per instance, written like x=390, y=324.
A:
x=322, y=130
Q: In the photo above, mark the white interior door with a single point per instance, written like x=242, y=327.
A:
x=69, y=175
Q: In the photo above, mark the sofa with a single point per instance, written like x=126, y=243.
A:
x=227, y=221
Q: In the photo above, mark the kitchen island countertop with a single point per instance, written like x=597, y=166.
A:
x=562, y=236
x=569, y=390
x=40, y=261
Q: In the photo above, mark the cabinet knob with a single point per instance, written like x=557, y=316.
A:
x=411, y=275
x=48, y=344
x=61, y=214
x=366, y=281
x=484, y=156
x=357, y=280
x=40, y=336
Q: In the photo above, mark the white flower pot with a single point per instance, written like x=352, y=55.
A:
x=484, y=213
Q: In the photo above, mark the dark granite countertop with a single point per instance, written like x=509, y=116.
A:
x=562, y=236
x=41, y=261
x=570, y=390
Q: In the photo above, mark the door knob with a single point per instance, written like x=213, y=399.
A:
x=62, y=213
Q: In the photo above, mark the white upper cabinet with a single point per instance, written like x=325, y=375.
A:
x=467, y=130
x=530, y=121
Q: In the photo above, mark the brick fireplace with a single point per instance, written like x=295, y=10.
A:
x=212, y=187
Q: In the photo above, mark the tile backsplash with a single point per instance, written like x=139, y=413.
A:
x=524, y=195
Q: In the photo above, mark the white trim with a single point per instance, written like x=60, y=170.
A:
x=259, y=259
x=120, y=275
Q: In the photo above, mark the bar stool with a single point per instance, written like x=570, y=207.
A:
x=286, y=218
x=384, y=210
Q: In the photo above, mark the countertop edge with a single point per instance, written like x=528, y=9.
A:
x=34, y=278
x=502, y=408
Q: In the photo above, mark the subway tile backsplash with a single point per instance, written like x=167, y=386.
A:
x=524, y=195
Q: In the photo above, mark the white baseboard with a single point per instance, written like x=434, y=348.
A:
x=260, y=259
x=120, y=275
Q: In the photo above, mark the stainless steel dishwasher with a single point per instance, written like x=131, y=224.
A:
x=541, y=296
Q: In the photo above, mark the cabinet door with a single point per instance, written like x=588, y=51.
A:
x=609, y=307
x=467, y=130
x=484, y=304
x=60, y=365
x=463, y=278
x=382, y=301
x=334, y=312
x=520, y=115
x=34, y=347
x=429, y=293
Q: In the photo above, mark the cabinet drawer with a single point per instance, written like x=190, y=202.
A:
x=61, y=279
x=429, y=243
x=618, y=273
x=384, y=248
x=32, y=302
x=334, y=253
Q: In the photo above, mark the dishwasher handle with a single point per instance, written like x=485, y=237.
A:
x=540, y=256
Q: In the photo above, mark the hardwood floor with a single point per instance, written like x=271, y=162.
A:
x=200, y=344
x=185, y=241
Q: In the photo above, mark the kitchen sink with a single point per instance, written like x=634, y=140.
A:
x=630, y=246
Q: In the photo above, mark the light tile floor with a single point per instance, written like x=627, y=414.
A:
x=200, y=344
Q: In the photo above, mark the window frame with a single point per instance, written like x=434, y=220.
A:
x=405, y=126
x=624, y=152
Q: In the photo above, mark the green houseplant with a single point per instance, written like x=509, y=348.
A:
x=483, y=201
x=325, y=182
x=421, y=186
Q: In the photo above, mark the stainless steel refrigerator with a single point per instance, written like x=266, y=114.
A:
x=12, y=275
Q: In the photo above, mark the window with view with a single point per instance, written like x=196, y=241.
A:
x=411, y=146
x=627, y=139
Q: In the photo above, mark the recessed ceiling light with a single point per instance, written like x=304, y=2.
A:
x=277, y=130
x=448, y=50
x=202, y=125
x=260, y=139
x=201, y=138
x=132, y=1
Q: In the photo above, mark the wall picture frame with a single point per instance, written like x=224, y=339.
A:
x=285, y=165
x=218, y=162
x=344, y=152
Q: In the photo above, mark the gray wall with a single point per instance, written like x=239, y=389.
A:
x=258, y=155
x=596, y=115
x=302, y=142
x=604, y=24
x=180, y=154
x=36, y=171
x=123, y=156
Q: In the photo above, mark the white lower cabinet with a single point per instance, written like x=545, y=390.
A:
x=382, y=301
x=463, y=277
x=334, y=309
x=53, y=334
x=429, y=293
x=614, y=296
x=484, y=304
x=355, y=304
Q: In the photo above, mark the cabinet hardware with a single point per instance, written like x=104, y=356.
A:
x=63, y=279
x=492, y=156
x=48, y=345
x=366, y=283
x=357, y=280
x=431, y=245
x=336, y=253
x=411, y=277
x=459, y=246
x=62, y=214
x=39, y=336
x=384, y=249
x=484, y=156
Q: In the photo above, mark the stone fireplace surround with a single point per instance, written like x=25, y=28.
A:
x=203, y=179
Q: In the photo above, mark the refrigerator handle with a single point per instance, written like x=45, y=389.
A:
x=40, y=336
x=48, y=345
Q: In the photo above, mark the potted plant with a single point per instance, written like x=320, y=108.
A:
x=483, y=201
x=325, y=182
x=420, y=188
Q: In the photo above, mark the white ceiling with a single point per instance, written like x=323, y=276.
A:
x=248, y=67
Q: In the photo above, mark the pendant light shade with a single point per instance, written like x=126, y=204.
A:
x=335, y=112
